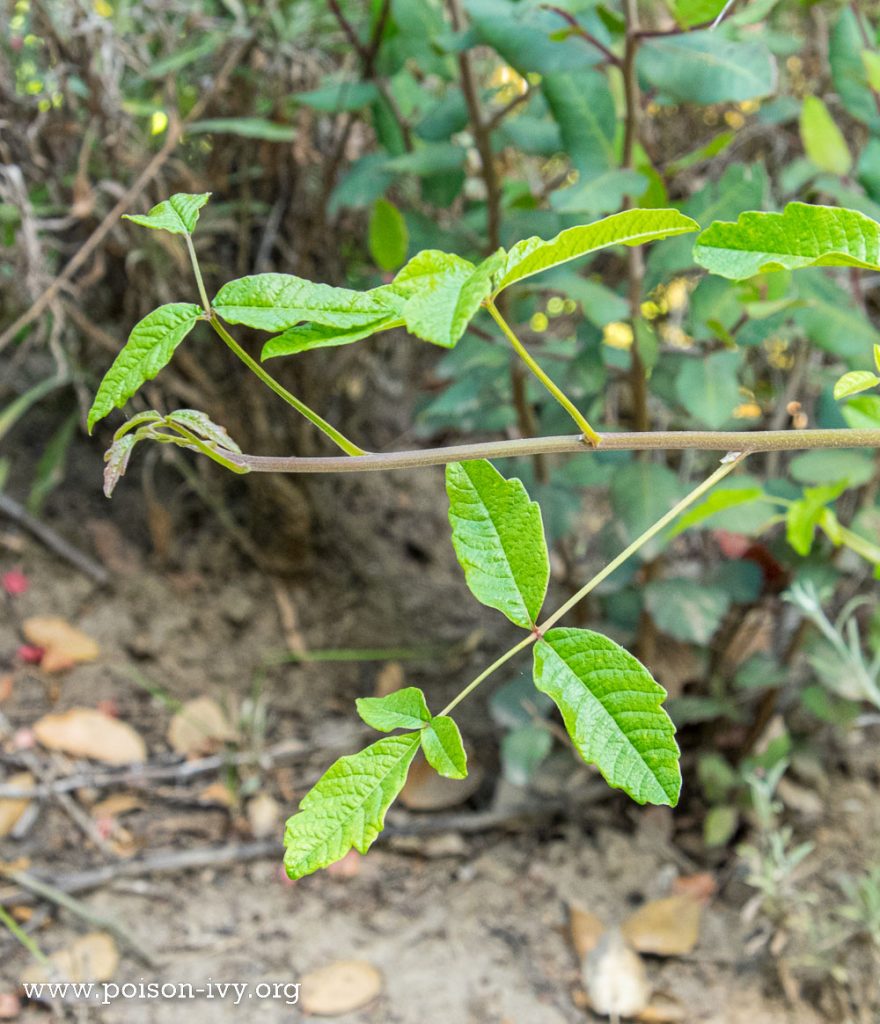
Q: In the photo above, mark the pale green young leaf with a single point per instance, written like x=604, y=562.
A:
x=275, y=302
x=116, y=460
x=177, y=215
x=804, y=515
x=877, y=357
x=442, y=292
x=801, y=236
x=499, y=540
x=823, y=140
x=202, y=425
x=632, y=227
x=387, y=235
x=402, y=709
x=150, y=346
x=717, y=501
x=443, y=749
x=346, y=808
x=612, y=711
x=305, y=337
x=855, y=381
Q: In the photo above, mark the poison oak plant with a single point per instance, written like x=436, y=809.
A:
x=609, y=702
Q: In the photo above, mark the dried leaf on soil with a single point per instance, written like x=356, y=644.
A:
x=340, y=987
x=11, y=809
x=199, y=727
x=85, y=732
x=264, y=815
x=615, y=978
x=63, y=645
x=666, y=927
x=425, y=790
x=92, y=957
x=586, y=930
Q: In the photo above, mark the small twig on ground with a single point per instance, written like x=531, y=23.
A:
x=52, y=540
x=79, y=909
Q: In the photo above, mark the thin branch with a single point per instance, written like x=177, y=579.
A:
x=632, y=441
x=578, y=29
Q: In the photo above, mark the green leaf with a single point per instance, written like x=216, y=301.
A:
x=498, y=539
x=804, y=515
x=717, y=501
x=441, y=293
x=150, y=346
x=823, y=140
x=444, y=751
x=199, y=423
x=388, y=236
x=522, y=751
x=116, y=460
x=708, y=388
x=612, y=710
x=583, y=106
x=855, y=381
x=244, y=127
x=177, y=215
x=336, y=97
x=640, y=493
x=685, y=609
x=305, y=337
x=274, y=302
x=862, y=413
x=848, y=70
x=705, y=67
x=402, y=709
x=346, y=808
x=829, y=466
x=800, y=236
x=632, y=227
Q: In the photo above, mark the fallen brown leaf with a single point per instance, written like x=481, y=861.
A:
x=264, y=815
x=425, y=790
x=92, y=957
x=10, y=1006
x=63, y=645
x=586, y=930
x=199, y=727
x=389, y=678
x=615, y=978
x=115, y=805
x=666, y=927
x=662, y=1010
x=702, y=886
x=11, y=809
x=340, y=987
x=217, y=793
x=85, y=732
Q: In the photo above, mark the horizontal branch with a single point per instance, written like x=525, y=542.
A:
x=658, y=440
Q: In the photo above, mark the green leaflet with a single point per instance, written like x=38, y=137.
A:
x=705, y=67
x=717, y=501
x=274, y=302
x=441, y=293
x=116, y=460
x=402, y=709
x=804, y=515
x=177, y=215
x=612, y=710
x=346, y=808
x=632, y=227
x=800, y=236
x=388, y=237
x=443, y=749
x=823, y=140
x=305, y=337
x=150, y=346
x=498, y=539
x=202, y=425
x=855, y=381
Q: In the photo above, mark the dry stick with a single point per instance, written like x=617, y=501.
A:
x=280, y=753
x=635, y=257
x=78, y=260
x=42, y=889
x=655, y=440
x=54, y=541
